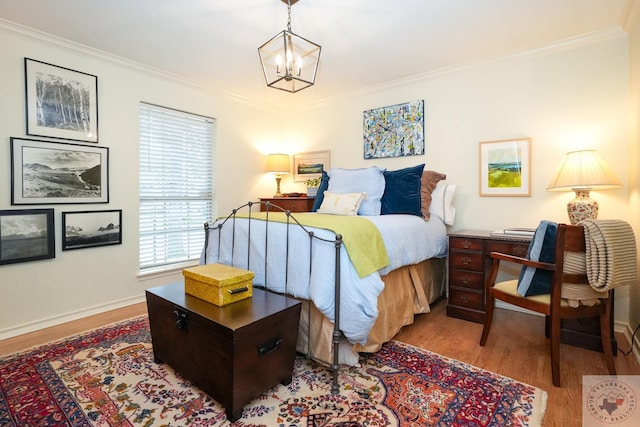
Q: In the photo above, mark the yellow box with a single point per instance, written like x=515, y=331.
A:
x=218, y=284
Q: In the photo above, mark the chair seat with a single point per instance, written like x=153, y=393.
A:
x=571, y=294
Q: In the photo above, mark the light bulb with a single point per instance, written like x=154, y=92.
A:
x=278, y=63
x=299, y=66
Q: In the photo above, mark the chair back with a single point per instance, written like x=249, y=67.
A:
x=570, y=264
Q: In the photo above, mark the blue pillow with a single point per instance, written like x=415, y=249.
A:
x=324, y=184
x=533, y=281
x=402, y=191
x=365, y=180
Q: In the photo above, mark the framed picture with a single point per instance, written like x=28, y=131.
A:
x=310, y=165
x=44, y=172
x=91, y=228
x=394, y=131
x=505, y=168
x=26, y=235
x=61, y=103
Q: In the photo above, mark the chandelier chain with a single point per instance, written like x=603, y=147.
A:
x=289, y=15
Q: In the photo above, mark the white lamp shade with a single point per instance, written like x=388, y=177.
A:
x=278, y=163
x=583, y=169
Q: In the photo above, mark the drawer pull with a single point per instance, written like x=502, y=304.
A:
x=238, y=290
x=269, y=346
x=181, y=320
x=466, y=260
x=465, y=280
x=465, y=299
x=520, y=250
x=466, y=244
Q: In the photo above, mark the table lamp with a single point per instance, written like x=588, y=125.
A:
x=278, y=164
x=583, y=171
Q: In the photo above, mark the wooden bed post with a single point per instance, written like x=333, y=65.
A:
x=335, y=387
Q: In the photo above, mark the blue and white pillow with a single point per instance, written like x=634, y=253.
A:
x=534, y=281
x=365, y=180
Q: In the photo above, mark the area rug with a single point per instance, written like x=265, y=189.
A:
x=107, y=377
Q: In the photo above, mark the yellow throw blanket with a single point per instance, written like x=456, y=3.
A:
x=611, y=254
x=361, y=238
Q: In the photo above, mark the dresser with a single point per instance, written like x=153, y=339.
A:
x=293, y=204
x=469, y=265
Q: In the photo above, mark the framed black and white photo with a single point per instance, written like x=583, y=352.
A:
x=89, y=229
x=45, y=172
x=61, y=103
x=26, y=235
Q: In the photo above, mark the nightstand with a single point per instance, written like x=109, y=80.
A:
x=293, y=204
x=469, y=264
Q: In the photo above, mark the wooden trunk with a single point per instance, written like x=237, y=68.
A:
x=233, y=353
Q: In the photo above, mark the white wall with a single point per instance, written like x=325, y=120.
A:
x=565, y=98
x=81, y=282
x=634, y=154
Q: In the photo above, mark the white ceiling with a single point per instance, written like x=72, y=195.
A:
x=364, y=42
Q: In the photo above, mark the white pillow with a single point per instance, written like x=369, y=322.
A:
x=442, y=202
x=365, y=180
x=341, y=204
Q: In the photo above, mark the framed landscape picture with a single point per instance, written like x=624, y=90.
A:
x=505, y=168
x=61, y=103
x=310, y=165
x=44, y=172
x=88, y=229
x=26, y=235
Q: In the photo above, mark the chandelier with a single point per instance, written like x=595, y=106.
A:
x=289, y=62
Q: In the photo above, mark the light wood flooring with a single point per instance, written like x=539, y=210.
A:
x=516, y=348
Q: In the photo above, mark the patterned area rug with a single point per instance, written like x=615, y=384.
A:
x=107, y=377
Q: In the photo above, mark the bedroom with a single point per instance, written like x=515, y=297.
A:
x=580, y=92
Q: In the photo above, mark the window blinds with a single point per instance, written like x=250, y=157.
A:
x=176, y=185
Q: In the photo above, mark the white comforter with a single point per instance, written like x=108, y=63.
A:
x=408, y=239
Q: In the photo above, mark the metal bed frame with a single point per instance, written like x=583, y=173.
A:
x=291, y=222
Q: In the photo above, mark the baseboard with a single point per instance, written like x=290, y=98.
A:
x=635, y=346
x=67, y=317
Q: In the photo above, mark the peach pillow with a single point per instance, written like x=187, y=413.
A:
x=428, y=183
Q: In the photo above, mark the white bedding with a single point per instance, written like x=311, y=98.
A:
x=408, y=239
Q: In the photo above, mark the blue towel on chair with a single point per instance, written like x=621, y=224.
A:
x=533, y=281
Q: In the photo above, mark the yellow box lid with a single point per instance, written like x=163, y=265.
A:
x=218, y=274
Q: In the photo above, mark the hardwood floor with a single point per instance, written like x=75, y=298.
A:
x=516, y=348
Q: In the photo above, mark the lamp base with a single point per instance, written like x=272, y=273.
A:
x=278, y=193
x=582, y=207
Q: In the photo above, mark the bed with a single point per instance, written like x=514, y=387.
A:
x=361, y=277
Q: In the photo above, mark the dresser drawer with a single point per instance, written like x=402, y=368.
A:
x=466, y=279
x=466, y=260
x=466, y=299
x=293, y=204
x=510, y=248
x=465, y=243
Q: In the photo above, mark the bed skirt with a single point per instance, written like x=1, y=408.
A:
x=408, y=291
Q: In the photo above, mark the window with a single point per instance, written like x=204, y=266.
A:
x=176, y=185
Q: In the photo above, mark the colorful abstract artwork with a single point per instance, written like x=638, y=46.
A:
x=394, y=131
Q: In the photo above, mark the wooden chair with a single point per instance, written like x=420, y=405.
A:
x=569, y=238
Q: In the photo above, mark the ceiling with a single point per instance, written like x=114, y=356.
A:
x=365, y=43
